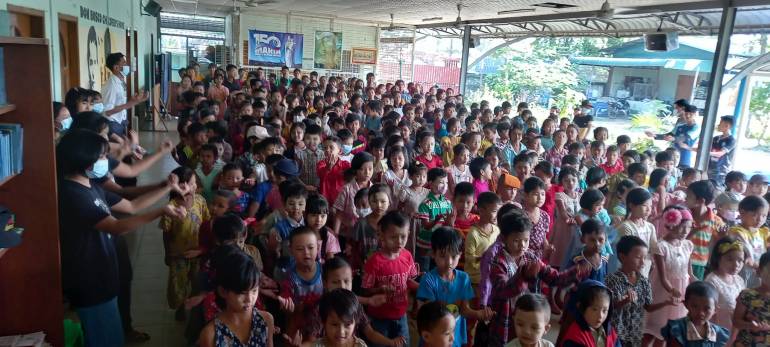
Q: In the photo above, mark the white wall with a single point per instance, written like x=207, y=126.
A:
x=127, y=11
x=353, y=35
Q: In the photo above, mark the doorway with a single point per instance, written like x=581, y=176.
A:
x=26, y=22
x=69, y=60
x=684, y=85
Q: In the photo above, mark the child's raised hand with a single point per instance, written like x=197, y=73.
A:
x=177, y=212
x=294, y=341
x=286, y=304
x=166, y=146
x=531, y=269
x=398, y=342
x=487, y=314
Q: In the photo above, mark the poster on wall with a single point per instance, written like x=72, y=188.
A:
x=367, y=56
x=98, y=36
x=328, y=50
x=268, y=48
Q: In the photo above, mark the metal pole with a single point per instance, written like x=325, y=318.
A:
x=715, y=87
x=464, y=61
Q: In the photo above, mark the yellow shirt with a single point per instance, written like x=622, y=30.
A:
x=183, y=233
x=755, y=241
x=448, y=144
x=476, y=243
x=484, y=145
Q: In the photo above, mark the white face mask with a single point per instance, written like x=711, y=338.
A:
x=363, y=212
x=98, y=107
x=126, y=70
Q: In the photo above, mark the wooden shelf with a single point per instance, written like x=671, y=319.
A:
x=5, y=40
x=7, y=108
x=5, y=180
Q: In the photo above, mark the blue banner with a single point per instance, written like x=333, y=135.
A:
x=268, y=48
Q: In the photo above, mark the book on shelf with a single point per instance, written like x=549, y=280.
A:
x=11, y=149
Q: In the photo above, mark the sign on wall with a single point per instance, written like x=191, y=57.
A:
x=328, y=50
x=268, y=48
x=97, y=40
x=366, y=56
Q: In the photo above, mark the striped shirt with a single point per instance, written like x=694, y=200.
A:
x=308, y=160
x=434, y=208
x=702, y=233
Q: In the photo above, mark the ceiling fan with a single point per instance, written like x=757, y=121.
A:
x=608, y=12
x=392, y=26
x=256, y=3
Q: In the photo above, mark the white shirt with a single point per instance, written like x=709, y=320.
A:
x=113, y=95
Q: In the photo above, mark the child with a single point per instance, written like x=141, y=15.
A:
x=727, y=202
x=752, y=316
x=593, y=237
x=613, y=165
x=377, y=150
x=180, y=238
x=507, y=187
x=462, y=219
x=364, y=241
x=301, y=285
x=619, y=211
x=514, y=146
x=660, y=199
x=481, y=235
x=433, y=210
x=482, y=175
x=725, y=263
x=631, y=292
x=546, y=134
x=706, y=224
x=490, y=137
x=208, y=170
x=514, y=270
x=754, y=235
x=534, y=197
x=450, y=141
x=436, y=325
x=558, y=151
x=232, y=177
x=427, y=156
x=567, y=207
x=722, y=148
x=532, y=321
x=448, y=285
x=591, y=307
x=624, y=143
x=288, y=218
x=381, y=270
x=591, y=207
x=331, y=170
x=222, y=201
x=410, y=199
x=672, y=270
x=459, y=171
x=639, y=204
x=339, y=312
x=237, y=291
x=316, y=215
x=396, y=176
x=345, y=216
x=757, y=185
x=696, y=329
x=310, y=156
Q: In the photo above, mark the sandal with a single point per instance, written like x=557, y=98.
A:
x=135, y=336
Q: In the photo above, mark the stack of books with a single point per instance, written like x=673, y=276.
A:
x=11, y=149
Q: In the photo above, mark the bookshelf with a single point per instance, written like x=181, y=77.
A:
x=30, y=274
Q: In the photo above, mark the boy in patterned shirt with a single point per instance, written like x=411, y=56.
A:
x=435, y=210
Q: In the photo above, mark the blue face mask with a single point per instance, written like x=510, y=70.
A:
x=99, y=107
x=66, y=123
x=126, y=70
x=100, y=169
x=346, y=149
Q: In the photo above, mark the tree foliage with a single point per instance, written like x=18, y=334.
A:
x=759, y=107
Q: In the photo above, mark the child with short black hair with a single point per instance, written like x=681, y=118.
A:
x=757, y=185
x=624, y=143
x=613, y=164
x=446, y=284
x=458, y=171
x=462, y=217
x=639, y=204
x=291, y=216
x=339, y=311
x=360, y=176
x=208, y=170
x=631, y=291
x=301, y=284
x=722, y=148
x=310, y=156
x=593, y=237
x=727, y=202
x=754, y=235
x=514, y=270
x=707, y=225
x=316, y=215
x=389, y=262
x=436, y=325
x=482, y=175
x=433, y=211
x=427, y=143
x=531, y=321
x=590, y=308
x=696, y=329
x=364, y=238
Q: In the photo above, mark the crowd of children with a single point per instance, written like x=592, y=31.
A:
x=334, y=212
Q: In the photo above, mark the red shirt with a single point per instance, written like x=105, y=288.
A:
x=613, y=169
x=331, y=178
x=433, y=162
x=549, y=206
x=380, y=271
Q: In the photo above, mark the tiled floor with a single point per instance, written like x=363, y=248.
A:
x=150, y=307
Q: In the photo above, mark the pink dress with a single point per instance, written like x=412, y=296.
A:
x=728, y=293
x=676, y=260
x=562, y=232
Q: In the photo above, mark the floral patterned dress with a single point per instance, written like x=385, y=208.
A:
x=537, y=236
x=224, y=337
x=758, y=305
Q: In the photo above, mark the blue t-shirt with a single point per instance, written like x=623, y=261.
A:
x=433, y=288
x=688, y=134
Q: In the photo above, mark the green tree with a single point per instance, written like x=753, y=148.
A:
x=759, y=107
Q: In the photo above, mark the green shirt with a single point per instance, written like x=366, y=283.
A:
x=433, y=208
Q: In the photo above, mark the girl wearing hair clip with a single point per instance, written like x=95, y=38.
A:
x=671, y=273
x=726, y=262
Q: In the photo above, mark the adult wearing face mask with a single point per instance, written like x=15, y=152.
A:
x=61, y=119
x=114, y=92
x=90, y=274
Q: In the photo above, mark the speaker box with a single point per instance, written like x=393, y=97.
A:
x=152, y=8
x=661, y=42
